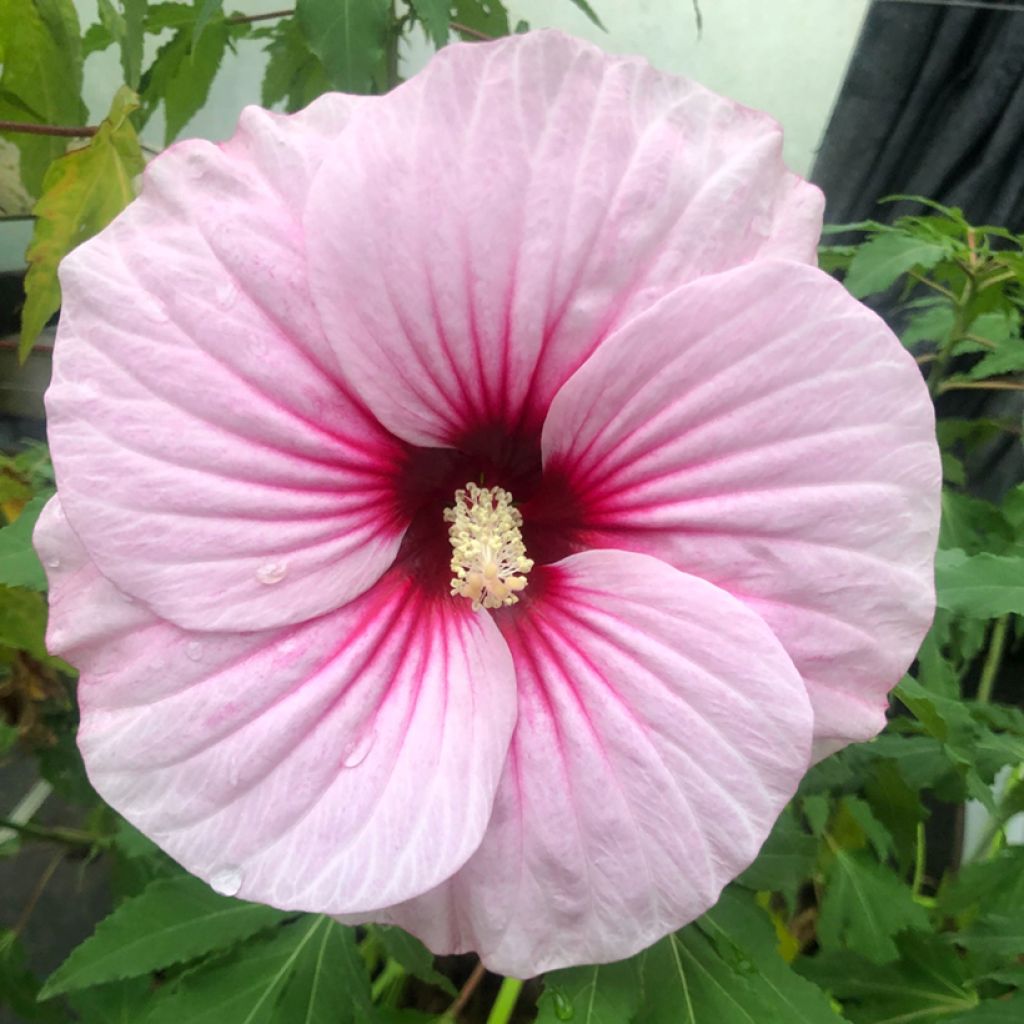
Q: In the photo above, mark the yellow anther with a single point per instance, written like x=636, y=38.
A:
x=489, y=563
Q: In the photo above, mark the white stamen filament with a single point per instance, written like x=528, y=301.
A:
x=489, y=563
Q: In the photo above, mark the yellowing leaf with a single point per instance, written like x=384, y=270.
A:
x=82, y=192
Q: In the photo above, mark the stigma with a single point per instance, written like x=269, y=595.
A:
x=489, y=563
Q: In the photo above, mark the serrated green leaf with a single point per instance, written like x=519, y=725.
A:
x=995, y=933
x=172, y=921
x=414, y=957
x=19, y=563
x=687, y=981
x=883, y=259
x=294, y=73
x=993, y=1011
x=488, y=17
x=41, y=78
x=329, y=983
x=590, y=13
x=82, y=192
x=786, y=860
x=205, y=10
x=1008, y=359
x=925, y=985
x=931, y=321
x=244, y=988
x=121, y=1002
x=864, y=907
x=980, y=586
x=134, y=38
x=23, y=621
x=170, y=15
x=180, y=76
x=435, y=16
x=601, y=994
x=742, y=932
x=349, y=37
x=993, y=884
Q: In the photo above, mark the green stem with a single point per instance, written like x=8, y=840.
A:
x=67, y=836
x=992, y=660
x=919, y=860
x=387, y=982
x=958, y=330
x=505, y=1001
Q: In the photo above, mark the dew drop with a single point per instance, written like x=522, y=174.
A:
x=358, y=751
x=226, y=295
x=226, y=881
x=53, y=563
x=271, y=572
x=194, y=650
x=563, y=1008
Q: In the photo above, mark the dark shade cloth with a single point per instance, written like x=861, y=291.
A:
x=933, y=105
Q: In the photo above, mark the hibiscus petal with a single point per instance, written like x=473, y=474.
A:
x=322, y=767
x=484, y=226
x=769, y=434
x=662, y=728
x=204, y=443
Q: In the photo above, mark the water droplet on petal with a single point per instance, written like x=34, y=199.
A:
x=271, y=572
x=194, y=650
x=226, y=294
x=563, y=1008
x=226, y=881
x=357, y=752
x=53, y=563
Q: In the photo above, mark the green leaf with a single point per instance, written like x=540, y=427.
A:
x=864, y=907
x=932, y=321
x=994, y=1011
x=135, y=12
x=329, y=984
x=1008, y=359
x=590, y=13
x=786, y=860
x=173, y=920
x=181, y=75
x=294, y=73
x=23, y=621
x=601, y=994
x=980, y=586
x=883, y=259
x=41, y=54
x=925, y=986
x=487, y=17
x=435, y=15
x=122, y=1002
x=349, y=37
x=1001, y=934
x=414, y=957
x=83, y=191
x=19, y=988
x=688, y=981
x=244, y=988
x=742, y=932
x=19, y=563
x=205, y=10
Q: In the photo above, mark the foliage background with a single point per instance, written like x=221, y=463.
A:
x=864, y=905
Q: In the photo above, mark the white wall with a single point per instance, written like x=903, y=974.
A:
x=784, y=56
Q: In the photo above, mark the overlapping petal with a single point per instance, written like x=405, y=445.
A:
x=662, y=727
x=328, y=766
x=484, y=226
x=207, y=450
x=766, y=432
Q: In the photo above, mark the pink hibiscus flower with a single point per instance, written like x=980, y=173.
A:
x=474, y=505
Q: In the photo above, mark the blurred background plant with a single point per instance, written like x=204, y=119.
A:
x=890, y=891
